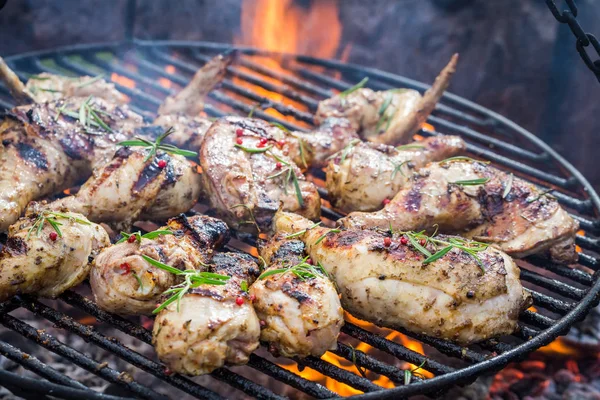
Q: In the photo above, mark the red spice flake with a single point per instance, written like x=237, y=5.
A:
x=278, y=165
x=387, y=242
x=131, y=239
x=309, y=261
x=126, y=268
x=386, y=202
x=281, y=143
x=239, y=301
x=263, y=323
x=260, y=145
x=162, y=164
x=239, y=132
x=423, y=242
x=53, y=236
x=168, y=372
x=239, y=140
x=403, y=240
x=263, y=141
x=252, y=297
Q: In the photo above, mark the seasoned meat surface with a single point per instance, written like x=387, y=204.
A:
x=364, y=175
x=47, y=87
x=391, y=116
x=43, y=262
x=129, y=188
x=489, y=205
x=215, y=325
x=387, y=283
x=246, y=174
x=119, y=269
x=300, y=316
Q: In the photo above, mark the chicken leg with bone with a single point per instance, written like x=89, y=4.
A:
x=464, y=295
x=478, y=201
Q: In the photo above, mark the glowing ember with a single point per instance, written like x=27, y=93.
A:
x=122, y=80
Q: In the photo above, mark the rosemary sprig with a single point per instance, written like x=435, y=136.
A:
x=89, y=82
x=303, y=231
x=244, y=286
x=51, y=218
x=472, y=182
x=39, y=78
x=508, y=186
x=468, y=246
x=280, y=126
x=542, y=194
x=48, y=90
x=192, y=279
x=345, y=150
x=359, y=85
x=87, y=116
x=157, y=145
x=139, y=281
x=253, y=150
x=408, y=373
x=291, y=178
x=410, y=147
x=302, y=270
x=138, y=235
x=398, y=168
x=252, y=220
x=462, y=158
x=320, y=239
x=361, y=370
x=254, y=107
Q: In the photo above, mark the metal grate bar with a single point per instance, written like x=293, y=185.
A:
x=588, y=242
x=90, y=334
x=33, y=364
x=536, y=319
x=574, y=274
x=552, y=284
x=362, y=360
x=396, y=349
x=52, y=344
x=340, y=375
x=525, y=332
x=550, y=303
x=145, y=336
x=588, y=261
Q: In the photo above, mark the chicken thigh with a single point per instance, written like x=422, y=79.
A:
x=384, y=278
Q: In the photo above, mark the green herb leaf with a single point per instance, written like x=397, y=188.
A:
x=90, y=81
x=280, y=126
x=302, y=270
x=244, y=286
x=508, y=186
x=158, y=145
x=462, y=158
x=544, y=193
x=253, y=150
x=320, y=239
x=139, y=281
x=399, y=168
x=437, y=255
x=302, y=232
x=472, y=182
x=50, y=217
x=410, y=147
x=359, y=85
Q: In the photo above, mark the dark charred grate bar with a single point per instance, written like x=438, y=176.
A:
x=562, y=295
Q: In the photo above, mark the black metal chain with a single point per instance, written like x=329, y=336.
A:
x=569, y=17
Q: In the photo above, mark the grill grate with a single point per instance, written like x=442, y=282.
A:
x=149, y=71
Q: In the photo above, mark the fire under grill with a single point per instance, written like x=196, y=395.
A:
x=287, y=89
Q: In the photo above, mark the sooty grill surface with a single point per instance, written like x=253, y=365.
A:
x=286, y=89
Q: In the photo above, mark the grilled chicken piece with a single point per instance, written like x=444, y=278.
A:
x=188, y=132
x=521, y=222
x=367, y=174
x=313, y=149
x=129, y=189
x=299, y=316
x=117, y=272
x=450, y=298
x=246, y=185
x=215, y=325
x=47, y=87
x=44, y=151
x=391, y=116
x=44, y=263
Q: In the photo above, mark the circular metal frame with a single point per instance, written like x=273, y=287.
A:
x=465, y=374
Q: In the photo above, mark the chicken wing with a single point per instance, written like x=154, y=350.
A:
x=362, y=176
x=125, y=283
x=391, y=116
x=48, y=253
x=456, y=297
x=481, y=202
x=246, y=174
x=300, y=316
x=212, y=325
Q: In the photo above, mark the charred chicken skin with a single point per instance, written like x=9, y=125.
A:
x=481, y=202
x=212, y=325
x=247, y=174
x=391, y=116
x=48, y=253
x=383, y=279
x=131, y=188
x=363, y=175
x=300, y=316
x=125, y=283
